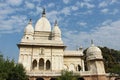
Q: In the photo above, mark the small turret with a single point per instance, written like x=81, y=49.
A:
x=29, y=30
x=56, y=32
x=95, y=60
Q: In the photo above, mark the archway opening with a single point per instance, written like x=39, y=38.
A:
x=53, y=79
x=34, y=64
x=40, y=78
x=80, y=78
x=79, y=67
x=41, y=64
x=71, y=67
x=48, y=65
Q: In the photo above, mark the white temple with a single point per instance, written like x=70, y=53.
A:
x=43, y=54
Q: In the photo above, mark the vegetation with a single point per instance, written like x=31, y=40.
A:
x=9, y=70
x=111, y=60
x=68, y=75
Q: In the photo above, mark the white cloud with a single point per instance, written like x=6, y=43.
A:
x=107, y=22
x=36, y=0
x=84, y=13
x=86, y=4
x=87, y=0
x=74, y=8
x=5, y=9
x=14, y=2
x=29, y=5
x=66, y=1
x=105, y=35
x=82, y=23
x=103, y=4
x=13, y=24
x=105, y=10
x=114, y=1
x=51, y=5
x=52, y=16
x=66, y=11
x=115, y=11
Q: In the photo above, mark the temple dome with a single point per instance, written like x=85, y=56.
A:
x=93, y=52
x=29, y=28
x=93, y=49
x=43, y=24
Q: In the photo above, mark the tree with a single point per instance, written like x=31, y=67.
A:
x=9, y=70
x=67, y=75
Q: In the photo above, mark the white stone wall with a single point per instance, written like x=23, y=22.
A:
x=71, y=63
x=25, y=57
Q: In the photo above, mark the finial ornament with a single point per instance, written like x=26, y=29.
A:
x=43, y=13
x=30, y=21
x=56, y=23
x=81, y=48
x=92, y=43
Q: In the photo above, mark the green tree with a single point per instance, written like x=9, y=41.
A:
x=9, y=70
x=67, y=75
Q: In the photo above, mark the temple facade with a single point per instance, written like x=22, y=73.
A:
x=43, y=55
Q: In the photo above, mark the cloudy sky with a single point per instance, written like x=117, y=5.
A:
x=79, y=20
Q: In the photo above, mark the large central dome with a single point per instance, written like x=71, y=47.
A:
x=43, y=24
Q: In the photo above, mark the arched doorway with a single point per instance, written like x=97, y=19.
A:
x=40, y=78
x=80, y=78
x=34, y=64
x=117, y=78
x=41, y=64
x=79, y=67
x=48, y=65
x=71, y=67
x=53, y=79
x=65, y=67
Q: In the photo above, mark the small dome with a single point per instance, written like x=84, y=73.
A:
x=29, y=28
x=93, y=49
x=43, y=24
x=93, y=52
x=56, y=29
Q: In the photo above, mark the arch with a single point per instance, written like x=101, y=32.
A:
x=41, y=64
x=65, y=67
x=34, y=64
x=72, y=67
x=53, y=79
x=80, y=78
x=39, y=78
x=48, y=65
x=79, y=67
x=117, y=78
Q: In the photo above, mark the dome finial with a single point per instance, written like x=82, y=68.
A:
x=30, y=21
x=43, y=13
x=92, y=44
x=56, y=23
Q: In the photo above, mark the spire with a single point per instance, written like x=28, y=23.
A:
x=43, y=13
x=92, y=43
x=56, y=23
x=30, y=21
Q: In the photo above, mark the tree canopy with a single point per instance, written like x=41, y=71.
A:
x=68, y=75
x=9, y=70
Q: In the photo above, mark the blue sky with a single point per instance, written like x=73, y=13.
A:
x=79, y=20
